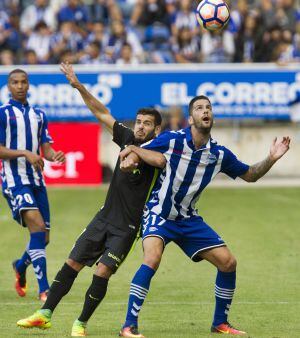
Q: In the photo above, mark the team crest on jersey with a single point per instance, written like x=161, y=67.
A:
x=212, y=158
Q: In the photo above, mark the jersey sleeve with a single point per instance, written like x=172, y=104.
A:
x=231, y=166
x=160, y=143
x=122, y=135
x=45, y=136
x=3, y=124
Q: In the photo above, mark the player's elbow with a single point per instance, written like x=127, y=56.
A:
x=161, y=162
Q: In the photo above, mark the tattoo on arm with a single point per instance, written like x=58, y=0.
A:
x=258, y=170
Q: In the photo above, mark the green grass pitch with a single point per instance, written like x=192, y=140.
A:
x=261, y=227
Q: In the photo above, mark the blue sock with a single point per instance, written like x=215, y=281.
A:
x=138, y=291
x=24, y=261
x=224, y=291
x=37, y=254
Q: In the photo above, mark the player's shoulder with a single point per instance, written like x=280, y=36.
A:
x=4, y=106
x=39, y=111
x=174, y=134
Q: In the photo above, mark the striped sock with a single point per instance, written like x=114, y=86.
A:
x=224, y=291
x=24, y=261
x=37, y=254
x=138, y=291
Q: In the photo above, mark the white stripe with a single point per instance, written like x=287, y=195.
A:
x=21, y=145
x=223, y=290
x=223, y=297
x=33, y=259
x=137, y=307
x=7, y=170
x=166, y=182
x=35, y=143
x=195, y=185
x=218, y=165
x=137, y=295
x=139, y=287
x=134, y=313
x=224, y=293
x=182, y=168
x=142, y=293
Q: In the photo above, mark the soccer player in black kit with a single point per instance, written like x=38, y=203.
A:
x=110, y=235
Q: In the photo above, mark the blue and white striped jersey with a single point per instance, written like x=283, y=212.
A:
x=188, y=171
x=22, y=127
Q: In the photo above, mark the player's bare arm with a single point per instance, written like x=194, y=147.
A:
x=95, y=106
x=11, y=154
x=51, y=155
x=258, y=170
x=151, y=157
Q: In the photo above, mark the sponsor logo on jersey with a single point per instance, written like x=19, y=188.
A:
x=151, y=229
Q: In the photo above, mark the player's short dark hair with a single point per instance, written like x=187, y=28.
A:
x=16, y=71
x=152, y=112
x=196, y=98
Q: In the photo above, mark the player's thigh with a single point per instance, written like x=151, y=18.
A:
x=33, y=220
x=197, y=238
x=41, y=198
x=220, y=257
x=90, y=244
x=118, y=244
x=20, y=199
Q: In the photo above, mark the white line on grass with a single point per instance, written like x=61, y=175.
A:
x=159, y=303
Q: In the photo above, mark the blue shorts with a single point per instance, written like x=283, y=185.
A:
x=28, y=197
x=192, y=235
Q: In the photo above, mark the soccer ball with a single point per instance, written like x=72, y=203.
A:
x=212, y=14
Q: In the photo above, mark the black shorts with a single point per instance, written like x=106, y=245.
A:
x=105, y=241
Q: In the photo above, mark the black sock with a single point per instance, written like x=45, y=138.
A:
x=93, y=297
x=61, y=285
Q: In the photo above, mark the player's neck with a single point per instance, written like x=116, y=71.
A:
x=22, y=101
x=200, y=138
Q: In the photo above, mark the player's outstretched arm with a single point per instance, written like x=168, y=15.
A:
x=258, y=170
x=151, y=157
x=95, y=106
x=12, y=154
x=51, y=155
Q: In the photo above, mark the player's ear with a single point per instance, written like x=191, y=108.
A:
x=191, y=120
x=157, y=130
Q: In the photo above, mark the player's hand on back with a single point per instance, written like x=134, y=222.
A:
x=67, y=69
x=279, y=148
x=36, y=160
x=59, y=156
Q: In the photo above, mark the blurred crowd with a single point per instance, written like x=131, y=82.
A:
x=145, y=31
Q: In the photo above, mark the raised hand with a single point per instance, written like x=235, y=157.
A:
x=279, y=148
x=67, y=69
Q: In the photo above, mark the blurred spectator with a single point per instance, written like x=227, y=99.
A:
x=39, y=41
x=149, y=12
x=187, y=47
x=217, y=46
x=92, y=55
x=39, y=11
x=66, y=39
x=103, y=11
x=175, y=119
x=272, y=39
x=117, y=37
x=184, y=18
x=249, y=40
x=126, y=7
x=7, y=58
x=126, y=56
x=285, y=52
x=74, y=12
x=97, y=33
x=296, y=42
x=286, y=14
x=30, y=57
x=67, y=56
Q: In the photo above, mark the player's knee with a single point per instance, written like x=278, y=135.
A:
x=33, y=222
x=229, y=264
x=152, y=259
x=74, y=265
x=103, y=271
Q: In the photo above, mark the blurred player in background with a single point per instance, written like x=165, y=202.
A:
x=23, y=132
x=111, y=234
x=192, y=160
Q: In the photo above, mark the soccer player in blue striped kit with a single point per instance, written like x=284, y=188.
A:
x=192, y=160
x=23, y=131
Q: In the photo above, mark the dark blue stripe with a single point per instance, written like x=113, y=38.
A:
x=188, y=178
x=206, y=179
x=174, y=162
x=28, y=137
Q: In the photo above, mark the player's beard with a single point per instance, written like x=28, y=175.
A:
x=203, y=128
x=147, y=138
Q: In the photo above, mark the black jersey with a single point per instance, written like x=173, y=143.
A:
x=127, y=192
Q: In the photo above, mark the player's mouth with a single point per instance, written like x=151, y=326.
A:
x=206, y=119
